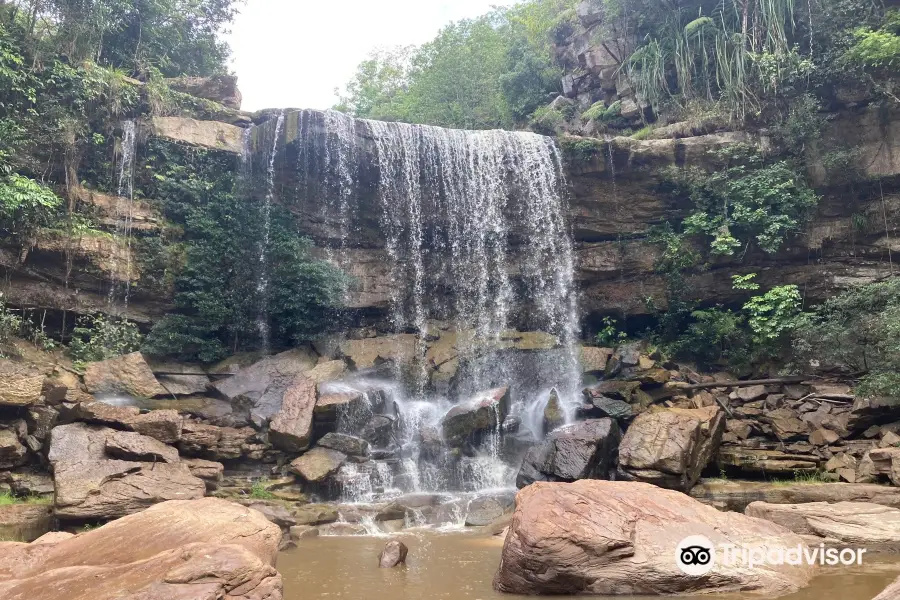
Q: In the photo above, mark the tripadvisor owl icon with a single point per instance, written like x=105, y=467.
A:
x=695, y=555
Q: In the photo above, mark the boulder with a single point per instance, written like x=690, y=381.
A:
x=315, y=514
x=318, y=464
x=620, y=538
x=379, y=431
x=214, y=443
x=20, y=385
x=128, y=445
x=218, y=88
x=347, y=444
x=340, y=529
x=209, y=471
x=25, y=522
x=333, y=404
x=206, y=134
x=41, y=419
x=12, y=452
x=371, y=352
x=576, y=451
x=671, y=447
x=275, y=513
x=393, y=554
x=89, y=485
x=860, y=524
x=63, y=386
x=163, y=425
x=612, y=408
x=29, y=484
x=554, y=416
x=129, y=374
x=299, y=532
x=206, y=548
x=593, y=359
x=736, y=495
x=262, y=385
x=181, y=379
x=484, y=510
x=291, y=427
x=484, y=412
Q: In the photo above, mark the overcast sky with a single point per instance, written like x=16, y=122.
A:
x=293, y=53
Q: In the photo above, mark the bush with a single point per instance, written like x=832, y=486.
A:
x=101, y=337
x=26, y=205
x=547, y=121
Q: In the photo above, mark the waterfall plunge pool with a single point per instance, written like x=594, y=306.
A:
x=461, y=566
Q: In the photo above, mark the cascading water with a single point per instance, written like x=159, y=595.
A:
x=262, y=283
x=124, y=215
x=473, y=224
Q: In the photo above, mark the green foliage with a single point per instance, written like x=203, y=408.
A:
x=101, y=337
x=216, y=272
x=595, y=112
x=858, y=331
x=10, y=325
x=7, y=498
x=750, y=200
x=547, y=120
x=609, y=334
x=26, y=205
x=492, y=71
x=878, y=49
x=259, y=490
x=773, y=315
x=714, y=336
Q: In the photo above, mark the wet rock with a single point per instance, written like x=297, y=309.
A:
x=671, y=447
x=553, y=413
x=576, y=451
x=379, y=431
x=262, y=385
x=299, y=532
x=207, y=548
x=218, y=88
x=340, y=529
x=291, y=427
x=20, y=385
x=612, y=408
x=484, y=510
x=627, y=355
x=128, y=445
x=372, y=352
x=129, y=374
x=210, y=472
x=872, y=526
x=619, y=538
x=275, y=513
x=393, y=554
x=484, y=412
x=12, y=452
x=25, y=522
x=315, y=514
x=318, y=464
x=329, y=370
x=347, y=444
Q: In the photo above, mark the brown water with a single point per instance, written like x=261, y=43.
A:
x=461, y=566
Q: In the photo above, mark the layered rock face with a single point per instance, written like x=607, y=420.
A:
x=620, y=538
x=205, y=548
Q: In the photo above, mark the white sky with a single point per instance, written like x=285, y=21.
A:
x=293, y=53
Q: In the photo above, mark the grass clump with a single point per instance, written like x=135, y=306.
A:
x=260, y=491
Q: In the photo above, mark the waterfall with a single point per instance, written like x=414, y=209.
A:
x=262, y=283
x=124, y=215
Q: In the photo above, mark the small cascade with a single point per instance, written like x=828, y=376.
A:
x=124, y=215
x=262, y=284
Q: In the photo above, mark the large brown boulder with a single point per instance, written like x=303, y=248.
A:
x=92, y=485
x=859, y=524
x=576, y=451
x=483, y=412
x=671, y=447
x=129, y=374
x=12, y=452
x=20, y=385
x=620, y=538
x=262, y=385
x=211, y=442
x=291, y=427
x=187, y=550
x=318, y=464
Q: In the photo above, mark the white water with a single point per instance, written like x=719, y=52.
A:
x=262, y=282
x=474, y=229
x=124, y=216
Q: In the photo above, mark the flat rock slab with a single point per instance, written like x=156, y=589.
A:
x=129, y=374
x=736, y=495
x=206, y=548
x=620, y=538
x=863, y=524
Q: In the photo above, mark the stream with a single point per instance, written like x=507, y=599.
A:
x=461, y=566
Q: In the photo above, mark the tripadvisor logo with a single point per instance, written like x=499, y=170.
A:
x=696, y=555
